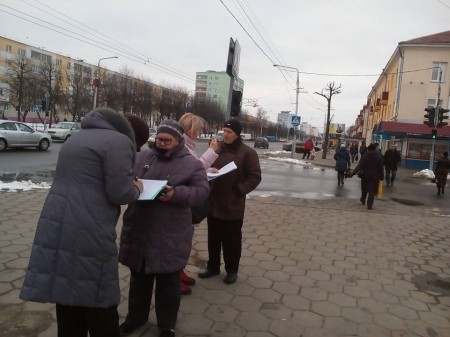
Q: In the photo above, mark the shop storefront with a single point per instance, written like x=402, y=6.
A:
x=414, y=142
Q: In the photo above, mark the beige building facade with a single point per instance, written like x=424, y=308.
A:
x=409, y=83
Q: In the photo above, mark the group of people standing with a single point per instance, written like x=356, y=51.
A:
x=369, y=168
x=74, y=258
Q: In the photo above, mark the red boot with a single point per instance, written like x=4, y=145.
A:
x=187, y=279
x=185, y=290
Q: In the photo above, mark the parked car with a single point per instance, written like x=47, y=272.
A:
x=261, y=142
x=299, y=147
x=63, y=130
x=17, y=134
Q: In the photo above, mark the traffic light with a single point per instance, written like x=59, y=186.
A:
x=429, y=117
x=236, y=98
x=44, y=105
x=433, y=134
x=442, y=117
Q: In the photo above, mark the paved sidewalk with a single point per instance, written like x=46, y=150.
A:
x=309, y=268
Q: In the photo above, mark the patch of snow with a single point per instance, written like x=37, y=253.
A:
x=424, y=173
x=24, y=185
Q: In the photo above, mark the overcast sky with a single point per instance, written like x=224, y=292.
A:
x=345, y=37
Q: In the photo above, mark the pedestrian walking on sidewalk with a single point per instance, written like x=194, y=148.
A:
x=73, y=260
x=309, y=145
x=193, y=126
x=370, y=169
x=354, y=152
x=342, y=157
x=362, y=148
x=227, y=198
x=156, y=236
x=441, y=173
x=391, y=160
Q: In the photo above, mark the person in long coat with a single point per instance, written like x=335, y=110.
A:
x=156, y=235
x=228, y=195
x=193, y=126
x=370, y=169
x=441, y=172
x=342, y=157
x=391, y=160
x=73, y=260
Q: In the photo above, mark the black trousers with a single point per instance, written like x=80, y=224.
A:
x=167, y=298
x=226, y=235
x=390, y=175
x=78, y=321
x=368, y=189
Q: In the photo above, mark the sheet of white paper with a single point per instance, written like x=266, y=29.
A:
x=224, y=170
x=151, y=188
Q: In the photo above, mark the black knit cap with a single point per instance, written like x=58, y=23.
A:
x=234, y=125
x=171, y=127
x=140, y=128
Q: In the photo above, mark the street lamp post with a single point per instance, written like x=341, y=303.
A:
x=97, y=83
x=296, y=103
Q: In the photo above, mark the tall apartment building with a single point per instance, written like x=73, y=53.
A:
x=215, y=86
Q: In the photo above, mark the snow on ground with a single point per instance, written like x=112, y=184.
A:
x=424, y=173
x=23, y=185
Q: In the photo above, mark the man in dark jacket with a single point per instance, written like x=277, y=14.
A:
x=391, y=160
x=227, y=197
x=73, y=260
x=363, y=148
x=370, y=168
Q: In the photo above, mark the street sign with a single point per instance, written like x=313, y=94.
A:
x=37, y=107
x=295, y=120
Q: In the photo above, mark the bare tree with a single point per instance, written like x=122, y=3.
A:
x=51, y=75
x=261, y=117
x=17, y=77
x=78, y=98
x=331, y=90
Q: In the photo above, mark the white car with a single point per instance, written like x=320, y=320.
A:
x=17, y=134
x=63, y=130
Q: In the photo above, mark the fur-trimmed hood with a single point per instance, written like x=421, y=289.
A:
x=107, y=118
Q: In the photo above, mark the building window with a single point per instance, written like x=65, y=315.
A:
x=437, y=68
x=35, y=69
x=21, y=52
x=58, y=62
x=8, y=48
x=431, y=103
x=68, y=65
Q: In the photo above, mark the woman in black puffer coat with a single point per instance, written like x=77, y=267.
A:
x=371, y=171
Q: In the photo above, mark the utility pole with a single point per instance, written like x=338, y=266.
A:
x=297, y=90
x=332, y=90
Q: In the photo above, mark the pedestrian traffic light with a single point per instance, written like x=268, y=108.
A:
x=429, y=117
x=433, y=134
x=442, y=117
